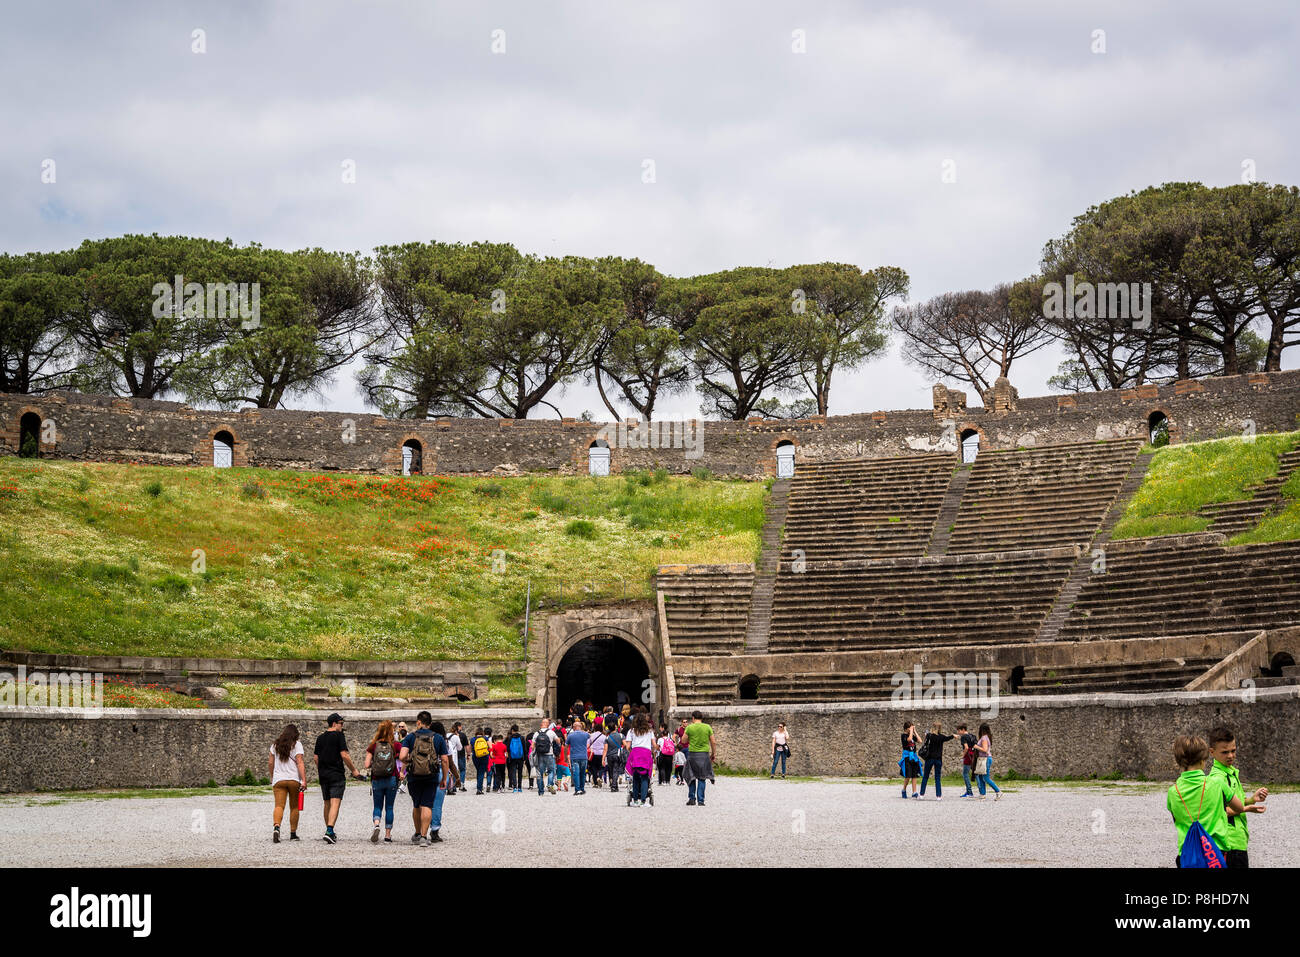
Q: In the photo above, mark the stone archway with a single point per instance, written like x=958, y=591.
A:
x=596, y=653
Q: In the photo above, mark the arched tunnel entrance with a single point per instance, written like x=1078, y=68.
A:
x=602, y=669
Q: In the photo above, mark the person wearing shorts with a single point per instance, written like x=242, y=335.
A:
x=427, y=790
x=331, y=756
x=288, y=777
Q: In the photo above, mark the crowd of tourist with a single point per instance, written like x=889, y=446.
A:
x=604, y=750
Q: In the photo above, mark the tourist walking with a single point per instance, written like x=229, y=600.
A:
x=614, y=756
x=428, y=772
x=562, y=772
x=640, y=758
x=381, y=762
x=579, y=741
x=331, y=757
x=1236, y=836
x=909, y=765
x=498, y=763
x=455, y=760
x=516, y=755
x=780, y=748
x=1208, y=795
x=968, y=755
x=458, y=732
x=481, y=746
x=596, y=756
x=984, y=763
x=666, y=750
x=932, y=754
x=700, y=753
x=288, y=770
x=544, y=746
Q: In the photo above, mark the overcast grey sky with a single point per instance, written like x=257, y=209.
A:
x=762, y=155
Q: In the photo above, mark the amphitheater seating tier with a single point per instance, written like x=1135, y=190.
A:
x=866, y=509
x=1001, y=599
x=1167, y=674
x=1039, y=498
x=707, y=608
x=1181, y=588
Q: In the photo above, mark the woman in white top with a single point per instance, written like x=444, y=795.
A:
x=780, y=748
x=288, y=773
x=640, y=759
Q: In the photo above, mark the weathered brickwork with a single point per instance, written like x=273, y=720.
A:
x=102, y=428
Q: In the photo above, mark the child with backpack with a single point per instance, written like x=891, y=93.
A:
x=498, y=763
x=381, y=762
x=481, y=751
x=1197, y=802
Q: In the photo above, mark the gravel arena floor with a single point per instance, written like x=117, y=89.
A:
x=747, y=822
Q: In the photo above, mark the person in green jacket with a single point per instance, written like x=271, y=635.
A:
x=1223, y=747
x=1196, y=796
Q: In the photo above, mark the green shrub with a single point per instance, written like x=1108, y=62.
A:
x=489, y=491
x=30, y=448
x=153, y=489
x=253, y=489
x=701, y=473
x=580, y=528
x=172, y=586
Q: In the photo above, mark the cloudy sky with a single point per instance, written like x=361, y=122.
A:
x=762, y=155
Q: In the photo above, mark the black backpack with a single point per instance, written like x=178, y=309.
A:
x=923, y=752
x=541, y=743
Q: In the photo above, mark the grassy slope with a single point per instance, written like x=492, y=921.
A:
x=1182, y=478
x=97, y=558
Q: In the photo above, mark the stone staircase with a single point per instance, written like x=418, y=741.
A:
x=1232, y=518
x=947, y=519
x=1082, y=569
x=760, y=602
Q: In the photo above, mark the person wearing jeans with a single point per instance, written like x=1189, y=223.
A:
x=700, y=755
x=934, y=742
x=984, y=755
x=780, y=748
x=577, y=741
x=545, y=762
x=967, y=741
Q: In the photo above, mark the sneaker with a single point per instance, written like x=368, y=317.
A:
x=701, y=804
x=424, y=841
x=551, y=789
x=416, y=838
x=998, y=796
x=293, y=836
x=331, y=839
x=374, y=835
x=388, y=840
x=691, y=803
x=770, y=776
x=275, y=836
x=904, y=794
x=434, y=838
x=938, y=799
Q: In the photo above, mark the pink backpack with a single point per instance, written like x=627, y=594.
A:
x=667, y=748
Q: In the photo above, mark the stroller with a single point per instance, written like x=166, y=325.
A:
x=641, y=759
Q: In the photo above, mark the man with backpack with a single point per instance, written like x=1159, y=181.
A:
x=516, y=755
x=428, y=772
x=458, y=732
x=545, y=744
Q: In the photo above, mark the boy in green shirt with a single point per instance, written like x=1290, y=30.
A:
x=1223, y=746
x=1196, y=796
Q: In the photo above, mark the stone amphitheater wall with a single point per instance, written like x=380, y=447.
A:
x=107, y=429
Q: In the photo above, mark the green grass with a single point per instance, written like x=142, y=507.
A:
x=1183, y=478
x=1280, y=525
x=332, y=566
